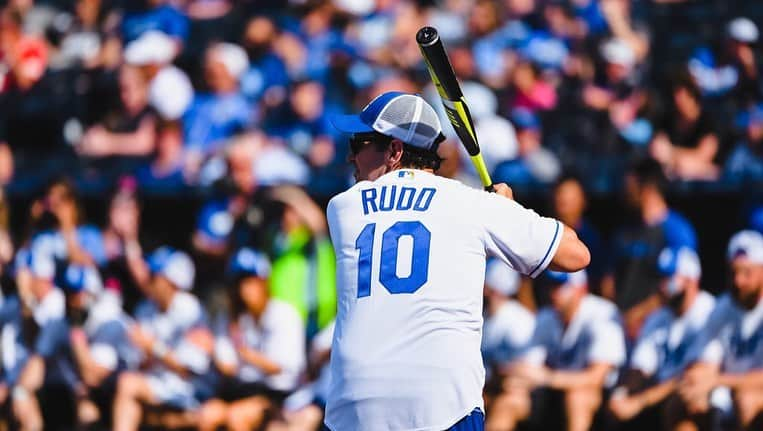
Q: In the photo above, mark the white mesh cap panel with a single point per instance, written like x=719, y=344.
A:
x=410, y=119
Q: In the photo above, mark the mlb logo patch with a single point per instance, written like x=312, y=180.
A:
x=405, y=174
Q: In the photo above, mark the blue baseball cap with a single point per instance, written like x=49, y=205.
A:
x=407, y=117
x=682, y=261
x=76, y=278
x=174, y=265
x=247, y=262
x=524, y=118
x=563, y=279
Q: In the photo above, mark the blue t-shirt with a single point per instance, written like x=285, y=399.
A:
x=164, y=18
x=213, y=118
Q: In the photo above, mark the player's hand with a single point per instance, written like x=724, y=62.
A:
x=504, y=190
x=625, y=408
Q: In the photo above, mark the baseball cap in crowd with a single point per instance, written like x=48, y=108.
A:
x=174, y=265
x=617, y=51
x=232, y=56
x=248, y=262
x=523, y=118
x=501, y=278
x=742, y=30
x=403, y=116
x=563, y=279
x=682, y=262
x=170, y=93
x=152, y=47
x=76, y=278
x=215, y=223
x=747, y=244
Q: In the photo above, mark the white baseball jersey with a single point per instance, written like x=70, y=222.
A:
x=739, y=345
x=411, y=250
x=664, y=346
x=508, y=336
x=594, y=335
x=279, y=335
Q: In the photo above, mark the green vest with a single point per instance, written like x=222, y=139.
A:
x=304, y=275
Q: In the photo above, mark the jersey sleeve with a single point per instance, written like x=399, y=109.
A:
x=608, y=344
x=645, y=356
x=519, y=236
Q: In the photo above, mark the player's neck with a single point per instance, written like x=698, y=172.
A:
x=654, y=210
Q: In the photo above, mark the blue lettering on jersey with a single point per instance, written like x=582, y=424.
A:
x=388, y=199
x=369, y=196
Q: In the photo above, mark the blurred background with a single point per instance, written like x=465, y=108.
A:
x=202, y=125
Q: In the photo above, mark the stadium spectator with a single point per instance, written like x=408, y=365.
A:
x=98, y=345
x=535, y=164
x=34, y=326
x=175, y=344
x=663, y=349
x=687, y=142
x=570, y=203
x=222, y=112
x=164, y=175
x=507, y=339
x=260, y=352
x=584, y=345
x=128, y=132
x=121, y=239
x=169, y=90
x=633, y=285
x=59, y=228
x=303, y=267
x=267, y=78
x=745, y=163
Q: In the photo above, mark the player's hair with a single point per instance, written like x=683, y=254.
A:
x=419, y=158
x=648, y=172
x=413, y=157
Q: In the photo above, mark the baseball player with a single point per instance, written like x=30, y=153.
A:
x=662, y=351
x=507, y=340
x=737, y=351
x=585, y=346
x=411, y=250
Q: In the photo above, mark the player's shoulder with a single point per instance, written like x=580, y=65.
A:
x=342, y=199
x=596, y=307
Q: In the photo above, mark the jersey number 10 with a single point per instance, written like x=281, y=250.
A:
x=388, y=263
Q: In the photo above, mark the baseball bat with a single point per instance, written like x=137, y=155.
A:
x=441, y=72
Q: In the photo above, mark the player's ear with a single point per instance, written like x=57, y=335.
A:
x=395, y=152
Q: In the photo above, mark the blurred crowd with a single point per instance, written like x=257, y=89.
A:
x=111, y=104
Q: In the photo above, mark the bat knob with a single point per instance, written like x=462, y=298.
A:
x=427, y=36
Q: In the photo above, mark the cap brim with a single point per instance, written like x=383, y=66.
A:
x=350, y=124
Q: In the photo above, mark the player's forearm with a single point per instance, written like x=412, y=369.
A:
x=750, y=380
x=91, y=373
x=656, y=394
x=33, y=374
x=265, y=364
x=593, y=376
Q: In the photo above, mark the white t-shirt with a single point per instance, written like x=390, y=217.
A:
x=664, y=346
x=411, y=249
x=507, y=336
x=172, y=326
x=594, y=335
x=279, y=335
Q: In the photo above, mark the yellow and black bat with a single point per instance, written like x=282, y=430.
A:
x=452, y=98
